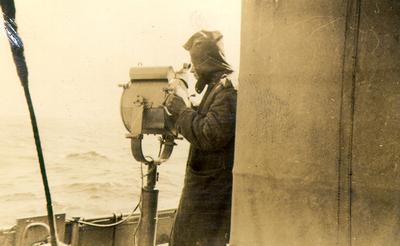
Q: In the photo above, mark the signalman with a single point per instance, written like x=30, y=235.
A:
x=203, y=215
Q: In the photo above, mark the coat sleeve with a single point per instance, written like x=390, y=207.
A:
x=215, y=129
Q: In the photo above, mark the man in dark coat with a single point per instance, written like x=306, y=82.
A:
x=203, y=215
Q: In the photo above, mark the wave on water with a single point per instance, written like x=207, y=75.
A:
x=23, y=196
x=90, y=155
x=92, y=186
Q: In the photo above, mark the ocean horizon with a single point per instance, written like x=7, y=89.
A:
x=90, y=168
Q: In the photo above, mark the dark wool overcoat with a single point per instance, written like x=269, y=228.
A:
x=203, y=215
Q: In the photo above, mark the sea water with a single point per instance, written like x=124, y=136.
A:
x=90, y=169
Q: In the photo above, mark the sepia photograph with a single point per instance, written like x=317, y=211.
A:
x=200, y=123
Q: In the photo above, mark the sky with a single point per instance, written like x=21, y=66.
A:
x=79, y=51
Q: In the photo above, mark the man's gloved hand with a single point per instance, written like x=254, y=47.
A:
x=175, y=105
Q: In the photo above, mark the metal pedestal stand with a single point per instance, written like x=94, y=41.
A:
x=148, y=224
x=148, y=221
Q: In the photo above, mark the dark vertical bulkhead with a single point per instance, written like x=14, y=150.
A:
x=376, y=142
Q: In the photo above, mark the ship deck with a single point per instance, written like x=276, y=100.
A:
x=73, y=233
